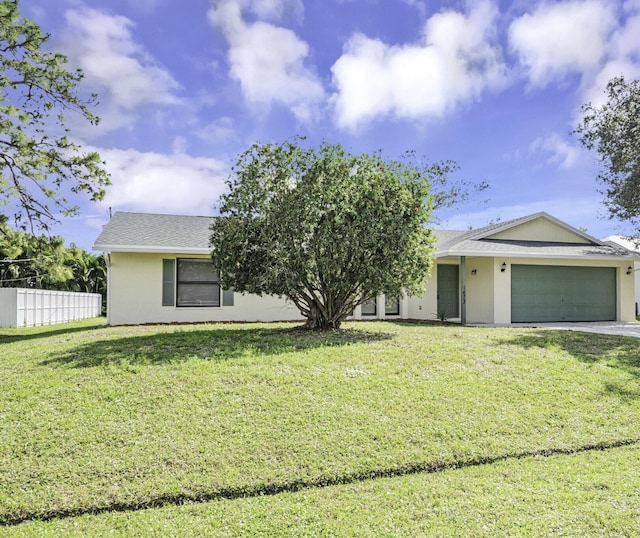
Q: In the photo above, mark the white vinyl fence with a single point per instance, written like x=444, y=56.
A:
x=21, y=307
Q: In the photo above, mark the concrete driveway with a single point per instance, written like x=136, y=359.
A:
x=620, y=328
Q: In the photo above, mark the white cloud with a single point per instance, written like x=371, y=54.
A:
x=268, y=60
x=626, y=40
x=277, y=10
x=595, y=92
x=631, y=5
x=453, y=65
x=621, y=58
x=419, y=5
x=558, y=39
x=154, y=182
x=222, y=129
x=560, y=152
x=115, y=66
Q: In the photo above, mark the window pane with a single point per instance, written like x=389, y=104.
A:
x=368, y=308
x=197, y=283
x=196, y=271
x=391, y=306
x=198, y=294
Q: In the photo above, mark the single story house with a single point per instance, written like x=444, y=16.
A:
x=531, y=269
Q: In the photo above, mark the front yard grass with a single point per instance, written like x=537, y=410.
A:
x=595, y=493
x=264, y=428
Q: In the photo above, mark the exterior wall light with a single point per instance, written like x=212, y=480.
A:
x=629, y=270
x=504, y=267
x=474, y=271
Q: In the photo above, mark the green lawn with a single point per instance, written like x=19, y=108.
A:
x=380, y=429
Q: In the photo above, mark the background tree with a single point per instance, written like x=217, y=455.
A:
x=43, y=262
x=89, y=271
x=38, y=162
x=326, y=229
x=613, y=130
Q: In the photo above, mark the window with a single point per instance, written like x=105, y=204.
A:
x=369, y=307
x=198, y=283
x=391, y=306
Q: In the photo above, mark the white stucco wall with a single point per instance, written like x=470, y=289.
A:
x=135, y=296
x=488, y=291
x=480, y=289
x=482, y=297
x=502, y=285
x=636, y=272
x=425, y=306
x=633, y=246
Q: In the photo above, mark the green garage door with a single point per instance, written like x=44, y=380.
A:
x=559, y=293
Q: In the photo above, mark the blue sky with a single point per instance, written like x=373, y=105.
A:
x=184, y=87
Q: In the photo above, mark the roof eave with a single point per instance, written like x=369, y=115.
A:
x=150, y=249
x=475, y=254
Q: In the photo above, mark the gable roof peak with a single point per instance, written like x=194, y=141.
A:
x=486, y=231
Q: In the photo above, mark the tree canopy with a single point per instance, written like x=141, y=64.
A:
x=613, y=130
x=43, y=262
x=325, y=228
x=39, y=164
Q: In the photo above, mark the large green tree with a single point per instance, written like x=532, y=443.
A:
x=39, y=164
x=613, y=130
x=325, y=228
x=28, y=260
x=43, y=262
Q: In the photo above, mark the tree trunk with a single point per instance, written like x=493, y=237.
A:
x=316, y=320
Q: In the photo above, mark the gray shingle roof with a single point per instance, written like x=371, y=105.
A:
x=533, y=249
x=144, y=232
x=445, y=237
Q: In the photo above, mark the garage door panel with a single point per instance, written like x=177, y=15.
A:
x=562, y=293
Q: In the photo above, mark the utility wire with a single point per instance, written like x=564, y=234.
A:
x=18, y=279
x=24, y=260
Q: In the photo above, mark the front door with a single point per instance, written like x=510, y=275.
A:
x=448, y=291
